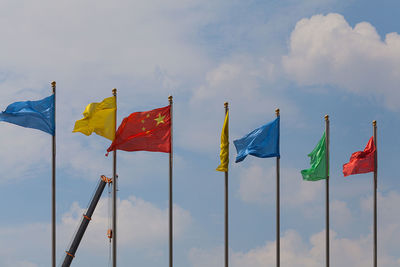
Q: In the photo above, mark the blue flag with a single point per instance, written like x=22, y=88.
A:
x=263, y=142
x=32, y=114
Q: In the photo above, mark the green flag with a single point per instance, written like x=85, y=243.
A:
x=318, y=162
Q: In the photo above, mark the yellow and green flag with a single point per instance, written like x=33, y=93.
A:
x=98, y=118
x=224, y=154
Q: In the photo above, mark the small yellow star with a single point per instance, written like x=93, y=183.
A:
x=159, y=119
x=148, y=115
x=143, y=129
x=142, y=121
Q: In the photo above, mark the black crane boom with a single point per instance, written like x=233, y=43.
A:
x=70, y=254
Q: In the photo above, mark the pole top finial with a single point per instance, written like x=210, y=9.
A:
x=277, y=112
x=374, y=122
x=53, y=85
x=226, y=104
x=326, y=117
x=170, y=99
x=114, y=91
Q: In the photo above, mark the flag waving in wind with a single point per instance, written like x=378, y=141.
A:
x=361, y=161
x=224, y=154
x=98, y=118
x=262, y=142
x=32, y=114
x=317, y=171
x=145, y=131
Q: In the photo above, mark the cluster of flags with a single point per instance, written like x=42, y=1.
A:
x=263, y=142
x=152, y=131
x=149, y=131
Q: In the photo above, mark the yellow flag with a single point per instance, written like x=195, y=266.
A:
x=98, y=118
x=224, y=154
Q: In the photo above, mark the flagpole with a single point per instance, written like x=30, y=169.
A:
x=226, y=205
x=170, y=191
x=327, y=187
x=114, y=199
x=278, y=219
x=375, y=196
x=53, y=185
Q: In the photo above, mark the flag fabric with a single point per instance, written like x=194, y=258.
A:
x=145, y=131
x=361, y=161
x=224, y=153
x=318, y=170
x=262, y=142
x=98, y=118
x=32, y=114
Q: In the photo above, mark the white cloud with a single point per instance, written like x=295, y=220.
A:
x=258, y=185
x=295, y=252
x=141, y=226
x=24, y=152
x=345, y=251
x=327, y=50
x=388, y=219
x=342, y=214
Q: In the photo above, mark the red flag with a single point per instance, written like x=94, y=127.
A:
x=361, y=161
x=145, y=131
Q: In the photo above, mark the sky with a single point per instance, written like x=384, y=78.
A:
x=308, y=58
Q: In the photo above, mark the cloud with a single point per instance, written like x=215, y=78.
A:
x=295, y=252
x=257, y=185
x=388, y=219
x=142, y=226
x=326, y=50
x=24, y=152
x=342, y=213
x=250, y=85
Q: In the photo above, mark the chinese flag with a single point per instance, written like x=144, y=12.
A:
x=145, y=131
x=361, y=161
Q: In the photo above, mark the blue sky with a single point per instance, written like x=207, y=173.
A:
x=308, y=58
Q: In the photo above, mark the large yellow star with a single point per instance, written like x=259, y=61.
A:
x=159, y=119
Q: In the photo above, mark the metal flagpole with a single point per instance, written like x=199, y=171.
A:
x=375, y=197
x=226, y=205
x=327, y=187
x=170, y=191
x=278, y=238
x=53, y=185
x=114, y=199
